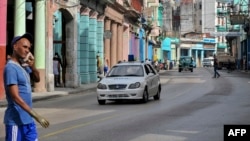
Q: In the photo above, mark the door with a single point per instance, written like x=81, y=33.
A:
x=148, y=79
x=155, y=80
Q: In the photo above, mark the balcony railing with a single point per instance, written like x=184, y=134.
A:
x=221, y=28
x=222, y=12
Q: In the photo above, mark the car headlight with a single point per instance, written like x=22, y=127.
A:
x=134, y=85
x=101, y=86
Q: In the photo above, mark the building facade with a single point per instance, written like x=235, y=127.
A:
x=78, y=31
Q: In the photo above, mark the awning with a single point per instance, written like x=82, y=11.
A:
x=166, y=44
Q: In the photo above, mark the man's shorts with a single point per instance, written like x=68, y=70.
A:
x=25, y=132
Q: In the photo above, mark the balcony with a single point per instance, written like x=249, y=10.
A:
x=222, y=45
x=235, y=28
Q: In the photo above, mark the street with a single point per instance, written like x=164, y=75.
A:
x=193, y=107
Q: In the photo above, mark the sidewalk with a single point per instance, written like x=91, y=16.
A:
x=59, y=91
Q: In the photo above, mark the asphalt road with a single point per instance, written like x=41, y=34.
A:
x=193, y=107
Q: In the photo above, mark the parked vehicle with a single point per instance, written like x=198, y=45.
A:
x=194, y=64
x=186, y=63
x=225, y=61
x=208, y=62
x=129, y=80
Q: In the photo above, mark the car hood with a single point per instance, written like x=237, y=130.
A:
x=121, y=80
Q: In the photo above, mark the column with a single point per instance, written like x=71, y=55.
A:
x=178, y=53
x=39, y=44
x=83, y=48
x=3, y=18
x=113, y=48
x=49, y=48
x=19, y=18
x=107, y=45
x=196, y=57
x=92, y=46
x=137, y=47
x=99, y=35
x=190, y=52
x=202, y=56
x=120, y=43
x=72, y=76
x=126, y=41
x=141, y=45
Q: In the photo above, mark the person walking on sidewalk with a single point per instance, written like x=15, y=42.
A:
x=216, y=67
x=56, y=71
x=18, y=117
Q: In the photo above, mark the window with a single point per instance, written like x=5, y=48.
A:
x=151, y=69
x=146, y=69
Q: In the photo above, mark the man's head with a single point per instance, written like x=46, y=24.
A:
x=21, y=45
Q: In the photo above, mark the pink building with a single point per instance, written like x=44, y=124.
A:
x=3, y=43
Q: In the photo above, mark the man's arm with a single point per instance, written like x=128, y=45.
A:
x=14, y=93
x=35, y=74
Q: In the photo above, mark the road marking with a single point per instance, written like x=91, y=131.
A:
x=157, y=137
x=187, y=80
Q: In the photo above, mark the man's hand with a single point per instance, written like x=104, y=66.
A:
x=43, y=122
x=29, y=59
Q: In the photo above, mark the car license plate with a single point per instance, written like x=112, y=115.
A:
x=113, y=95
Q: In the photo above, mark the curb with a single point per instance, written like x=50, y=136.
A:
x=55, y=94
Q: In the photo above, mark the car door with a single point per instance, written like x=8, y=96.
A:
x=155, y=80
x=148, y=79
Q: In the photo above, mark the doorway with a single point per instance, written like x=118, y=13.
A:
x=62, y=20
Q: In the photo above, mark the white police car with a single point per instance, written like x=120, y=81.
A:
x=129, y=80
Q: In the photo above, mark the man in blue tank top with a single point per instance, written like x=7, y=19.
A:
x=18, y=118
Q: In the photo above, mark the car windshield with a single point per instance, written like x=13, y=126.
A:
x=205, y=60
x=185, y=60
x=126, y=70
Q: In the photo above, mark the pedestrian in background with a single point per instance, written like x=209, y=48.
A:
x=61, y=66
x=99, y=65
x=106, y=67
x=19, y=114
x=216, y=74
x=56, y=71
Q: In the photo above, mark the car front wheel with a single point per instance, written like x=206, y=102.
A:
x=145, y=97
x=101, y=102
x=157, y=96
